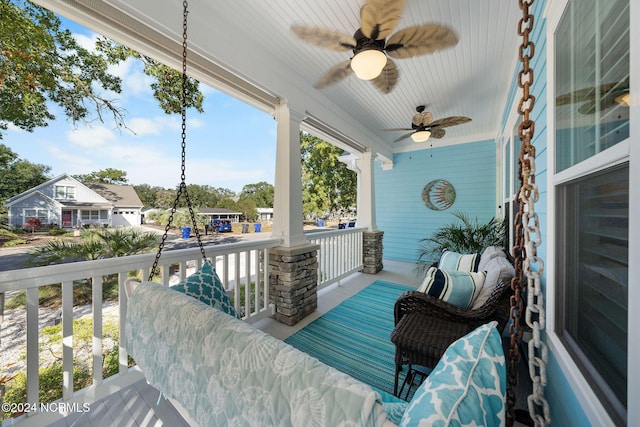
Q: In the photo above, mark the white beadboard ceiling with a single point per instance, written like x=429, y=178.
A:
x=248, y=43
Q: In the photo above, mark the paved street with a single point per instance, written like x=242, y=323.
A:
x=13, y=258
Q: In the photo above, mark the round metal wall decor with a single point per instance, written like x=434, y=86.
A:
x=439, y=195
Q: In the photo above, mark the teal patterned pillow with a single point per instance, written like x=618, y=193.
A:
x=205, y=285
x=467, y=386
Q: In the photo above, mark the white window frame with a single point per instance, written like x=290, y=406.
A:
x=36, y=210
x=620, y=153
x=69, y=192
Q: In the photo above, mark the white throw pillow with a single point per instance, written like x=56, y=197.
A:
x=498, y=269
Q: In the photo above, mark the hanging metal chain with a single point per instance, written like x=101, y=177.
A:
x=528, y=238
x=183, y=186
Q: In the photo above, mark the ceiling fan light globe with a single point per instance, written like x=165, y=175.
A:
x=420, y=136
x=624, y=99
x=368, y=64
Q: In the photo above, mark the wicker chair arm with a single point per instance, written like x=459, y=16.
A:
x=494, y=309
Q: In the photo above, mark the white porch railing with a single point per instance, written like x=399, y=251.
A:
x=241, y=267
x=237, y=264
x=340, y=254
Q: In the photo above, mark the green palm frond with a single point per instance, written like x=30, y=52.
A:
x=463, y=236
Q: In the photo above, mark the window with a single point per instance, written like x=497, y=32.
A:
x=64, y=192
x=41, y=214
x=511, y=182
x=94, y=215
x=592, y=202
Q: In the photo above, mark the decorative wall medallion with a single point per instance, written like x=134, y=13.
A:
x=439, y=195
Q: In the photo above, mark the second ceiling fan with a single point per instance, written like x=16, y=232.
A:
x=424, y=127
x=370, y=46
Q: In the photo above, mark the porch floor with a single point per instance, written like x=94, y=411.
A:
x=136, y=405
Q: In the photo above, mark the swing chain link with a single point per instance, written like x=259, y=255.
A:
x=528, y=238
x=183, y=186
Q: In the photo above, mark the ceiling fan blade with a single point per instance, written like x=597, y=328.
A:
x=388, y=78
x=322, y=37
x=395, y=129
x=582, y=95
x=378, y=18
x=420, y=40
x=451, y=121
x=437, y=133
x=334, y=75
x=405, y=136
x=422, y=119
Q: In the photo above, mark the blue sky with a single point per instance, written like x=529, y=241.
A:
x=230, y=145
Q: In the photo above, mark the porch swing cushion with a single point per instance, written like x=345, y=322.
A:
x=205, y=285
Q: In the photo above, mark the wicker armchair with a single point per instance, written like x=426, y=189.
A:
x=497, y=307
x=425, y=326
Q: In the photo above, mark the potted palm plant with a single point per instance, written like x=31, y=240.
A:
x=463, y=236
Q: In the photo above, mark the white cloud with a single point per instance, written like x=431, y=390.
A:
x=142, y=126
x=87, y=42
x=90, y=136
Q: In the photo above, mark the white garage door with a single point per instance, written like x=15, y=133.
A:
x=125, y=218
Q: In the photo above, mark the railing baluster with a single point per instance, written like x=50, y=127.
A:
x=123, y=362
x=33, y=355
x=67, y=339
x=96, y=310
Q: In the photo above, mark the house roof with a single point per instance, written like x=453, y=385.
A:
x=218, y=211
x=119, y=195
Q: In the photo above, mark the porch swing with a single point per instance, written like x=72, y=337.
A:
x=204, y=284
x=231, y=367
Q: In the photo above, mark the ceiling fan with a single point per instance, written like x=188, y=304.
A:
x=594, y=99
x=424, y=127
x=370, y=45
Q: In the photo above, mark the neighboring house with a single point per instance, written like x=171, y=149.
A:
x=67, y=202
x=265, y=214
x=220, y=213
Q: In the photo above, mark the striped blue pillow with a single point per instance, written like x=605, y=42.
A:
x=458, y=288
x=453, y=261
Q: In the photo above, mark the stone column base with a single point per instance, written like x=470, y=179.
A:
x=372, y=251
x=293, y=282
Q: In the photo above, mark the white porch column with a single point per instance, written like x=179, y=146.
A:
x=287, y=204
x=366, y=203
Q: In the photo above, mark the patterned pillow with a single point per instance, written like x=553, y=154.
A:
x=455, y=287
x=205, y=285
x=453, y=261
x=467, y=386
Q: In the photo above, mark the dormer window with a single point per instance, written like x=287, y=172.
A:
x=64, y=192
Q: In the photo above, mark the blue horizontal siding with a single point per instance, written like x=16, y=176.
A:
x=400, y=211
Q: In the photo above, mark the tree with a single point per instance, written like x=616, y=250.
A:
x=104, y=176
x=94, y=244
x=148, y=195
x=18, y=175
x=261, y=194
x=248, y=209
x=328, y=186
x=42, y=64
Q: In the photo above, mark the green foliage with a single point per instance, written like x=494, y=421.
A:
x=328, y=186
x=42, y=67
x=261, y=194
x=462, y=236
x=94, y=244
x=18, y=175
x=51, y=376
x=181, y=218
x=167, y=85
x=104, y=176
x=148, y=195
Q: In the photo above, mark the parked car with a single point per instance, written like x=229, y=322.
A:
x=225, y=226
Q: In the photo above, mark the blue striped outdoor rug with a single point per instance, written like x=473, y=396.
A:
x=354, y=337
